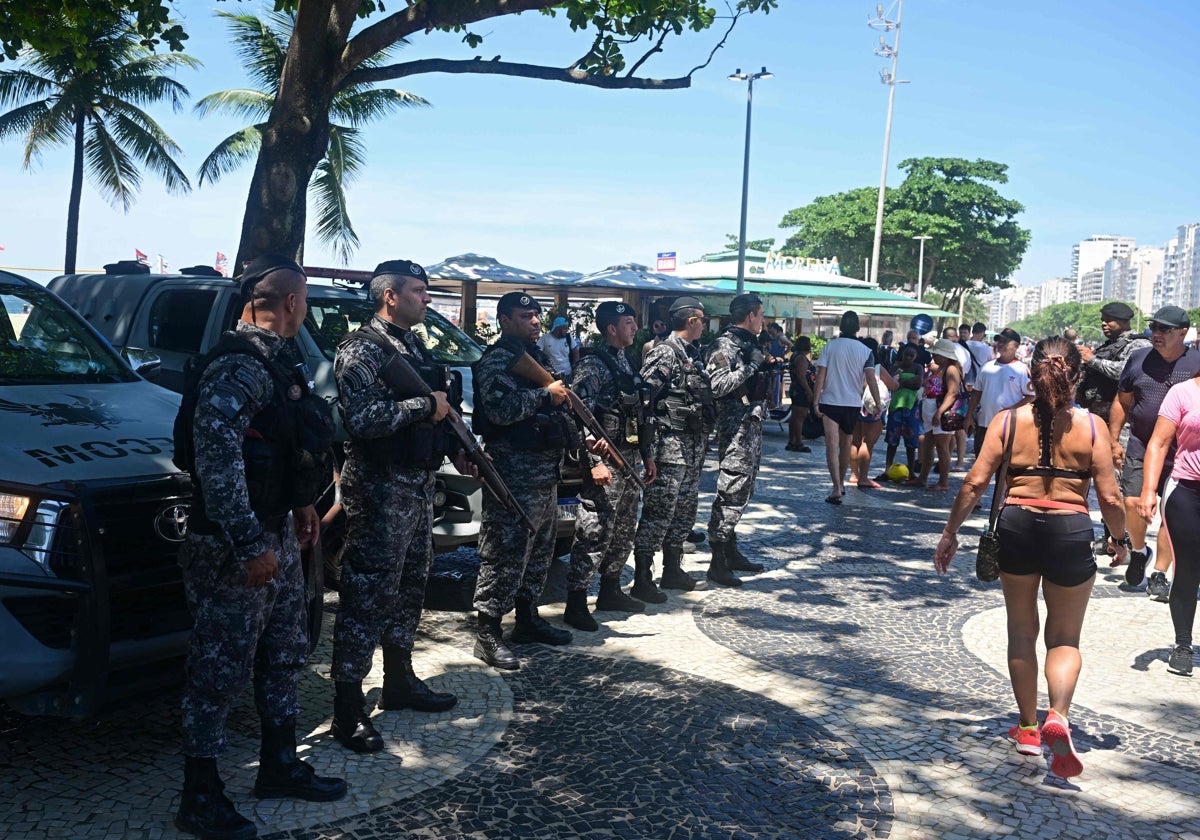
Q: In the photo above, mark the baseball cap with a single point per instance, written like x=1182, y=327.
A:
x=686, y=303
x=406, y=268
x=516, y=300
x=1008, y=334
x=1171, y=316
x=1116, y=311
x=558, y=322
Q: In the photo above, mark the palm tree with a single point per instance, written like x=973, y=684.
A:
x=262, y=44
x=99, y=112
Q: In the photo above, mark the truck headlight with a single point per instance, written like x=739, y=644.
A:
x=12, y=512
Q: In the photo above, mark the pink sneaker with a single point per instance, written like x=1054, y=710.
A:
x=1057, y=733
x=1029, y=740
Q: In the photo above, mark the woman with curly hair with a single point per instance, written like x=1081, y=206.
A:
x=1045, y=537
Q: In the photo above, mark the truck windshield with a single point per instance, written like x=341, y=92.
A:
x=44, y=342
x=330, y=318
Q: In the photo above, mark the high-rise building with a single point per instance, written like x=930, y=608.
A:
x=1184, y=266
x=1091, y=286
x=1091, y=253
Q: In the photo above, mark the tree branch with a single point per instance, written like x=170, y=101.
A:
x=369, y=75
x=657, y=48
x=427, y=15
x=732, y=23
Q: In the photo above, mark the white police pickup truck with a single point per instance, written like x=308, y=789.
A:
x=92, y=511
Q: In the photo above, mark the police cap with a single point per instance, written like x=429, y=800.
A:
x=1116, y=311
x=404, y=268
x=685, y=303
x=612, y=311
x=260, y=267
x=516, y=300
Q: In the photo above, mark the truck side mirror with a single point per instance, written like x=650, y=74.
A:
x=145, y=364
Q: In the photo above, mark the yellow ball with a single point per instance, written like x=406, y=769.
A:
x=897, y=473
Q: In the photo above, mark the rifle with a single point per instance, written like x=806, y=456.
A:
x=399, y=375
x=526, y=366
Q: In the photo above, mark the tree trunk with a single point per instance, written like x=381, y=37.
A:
x=296, y=137
x=75, y=199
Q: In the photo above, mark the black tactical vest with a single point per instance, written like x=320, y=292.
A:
x=620, y=421
x=550, y=429
x=753, y=389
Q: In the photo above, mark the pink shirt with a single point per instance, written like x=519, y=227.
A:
x=1182, y=407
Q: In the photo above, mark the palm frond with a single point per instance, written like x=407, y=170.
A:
x=147, y=90
x=332, y=220
x=21, y=120
x=242, y=103
x=55, y=126
x=232, y=152
x=19, y=86
x=359, y=106
x=150, y=145
x=261, y=44
x=110, y=167
x=346, y=154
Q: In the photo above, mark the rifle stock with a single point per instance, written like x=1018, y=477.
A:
x=527, y=367
x=399, y=375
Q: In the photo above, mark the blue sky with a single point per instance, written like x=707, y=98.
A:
x=1090, y=104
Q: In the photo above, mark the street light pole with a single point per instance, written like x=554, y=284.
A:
x=921, y=265
x=889, y=79
x=739, y=76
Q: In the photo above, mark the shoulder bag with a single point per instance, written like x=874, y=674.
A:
x=987, y=559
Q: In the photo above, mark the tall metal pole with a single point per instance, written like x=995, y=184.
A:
x=741, y=276
x=891, y=81
x=921, y=265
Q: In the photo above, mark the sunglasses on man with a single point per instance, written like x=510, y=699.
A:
x=1162, y=328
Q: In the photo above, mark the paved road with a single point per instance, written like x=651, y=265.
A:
x=845, y=692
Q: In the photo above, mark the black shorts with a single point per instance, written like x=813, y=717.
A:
x=846, y=416
x=1057, y=546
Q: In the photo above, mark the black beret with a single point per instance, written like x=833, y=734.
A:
x=405, y=268
x=1116, y=311
x=516, y=300
x=611, y=311
x=686, y=303
x=743, y=304
x=260, y=267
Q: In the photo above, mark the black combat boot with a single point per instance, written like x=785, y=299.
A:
x=281, y=775
x=673, y=576
x=351, y=724
x=737, y=561
x=532, y=628
x=490, y=647
x=204, y=809
x=577, y=613
x=403, y=689
x=643, y=580
x=718, y=567
x=612, y=599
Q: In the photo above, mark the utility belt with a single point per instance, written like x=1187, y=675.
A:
x=418, y=446
x=199, y=523
x=688, y=418
x=544, y=432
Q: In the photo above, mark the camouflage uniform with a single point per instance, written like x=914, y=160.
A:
x=513, y=562
x=669, y=506
x=604, y=527
x=238, y=630
x=741, y=404
x=389, y=509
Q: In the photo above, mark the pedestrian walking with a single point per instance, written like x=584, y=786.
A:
x=943, y=394
x=803, y=379
x=1145, y=380
x=844, y=366
x=681, y=405
x=396, y=443
x=740, y=375
x=904, y=412
x=256, y=443
x=1045, y=536
x=604, y=528
x=1003, y=383
x=1102, y=367
x=526, y=430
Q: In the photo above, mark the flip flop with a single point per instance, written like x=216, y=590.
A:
x=834, y=500
x=871, y=485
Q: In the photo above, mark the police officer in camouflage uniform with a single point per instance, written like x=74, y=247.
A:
x=681, y=406
x=525, y=429
x=605, y=381
x=396, y=443
x=242, y=432
x=734, y=367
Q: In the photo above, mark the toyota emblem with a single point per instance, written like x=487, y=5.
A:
x=171, y=523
